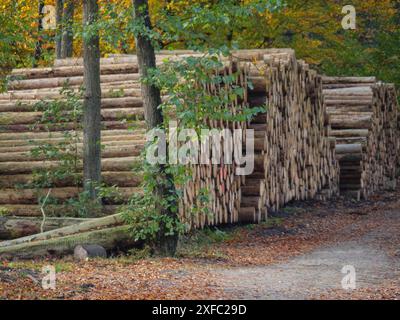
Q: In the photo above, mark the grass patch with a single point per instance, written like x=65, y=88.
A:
x=4, y=212
x=135, y=255
x=273, y=222
x=37, y=266
x=202, y=243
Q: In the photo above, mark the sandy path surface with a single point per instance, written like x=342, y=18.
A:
x=319, y=273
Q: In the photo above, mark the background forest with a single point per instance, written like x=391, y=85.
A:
x=310, y=27
x=75, y=176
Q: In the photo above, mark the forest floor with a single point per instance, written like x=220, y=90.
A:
x=299, y=253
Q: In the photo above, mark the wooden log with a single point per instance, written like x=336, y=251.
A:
x=106, y=103
x=348, y=148
x=247, y=214
x=349, y=133
x=110, y=239
x=70, y=71
x=106, y=125
x=16, y=227
x=62, y=81
x=346, y=158
x=13, y=118
x=93, y=224
x=107, y=153
x=110, y=142
x=121, y=179
x=250, y=201
x=108, y=91
x=351, y=122
x=127, y=59
x=33, y=210
x=346, y=80
x=30, y=196
x=107, y=135
x=111, y=165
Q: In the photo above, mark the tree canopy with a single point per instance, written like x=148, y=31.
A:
x=313, y=28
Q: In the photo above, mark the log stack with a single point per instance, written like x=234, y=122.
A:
x=363, y=115
x=220, y=182
x=121, y=102
x=295, y=159
x=296, y=156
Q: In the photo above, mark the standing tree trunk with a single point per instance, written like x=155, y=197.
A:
x=39, y=42
x=67, y=30
x=164, y=192
x=92, y=101
x=59, y=28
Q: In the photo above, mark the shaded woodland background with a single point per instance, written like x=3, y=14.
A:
x=313, y=28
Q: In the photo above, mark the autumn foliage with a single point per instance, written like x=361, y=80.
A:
x=312, y=28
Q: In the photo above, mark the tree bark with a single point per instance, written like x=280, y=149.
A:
x=92, y=101
x=59, y=28
x=165, y=189
x=67, y=31
x=39, y=42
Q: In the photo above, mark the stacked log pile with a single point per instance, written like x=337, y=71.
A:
x=122, y=147
x=220, y=181
x=294, y=158
x=17, y=136
x=363, y=116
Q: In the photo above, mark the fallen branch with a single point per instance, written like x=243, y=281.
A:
x=16, y=227
x=92, y=224
x=43, y=213
x=111, y=238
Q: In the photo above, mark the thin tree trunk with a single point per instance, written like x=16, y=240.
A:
x=67, y=47
x=92, y=102
x=165, y=189
x=39, y=43
x=59, y=28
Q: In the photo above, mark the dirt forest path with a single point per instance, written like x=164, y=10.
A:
x=363, y=238
x=318, y=274
x=298, y=254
